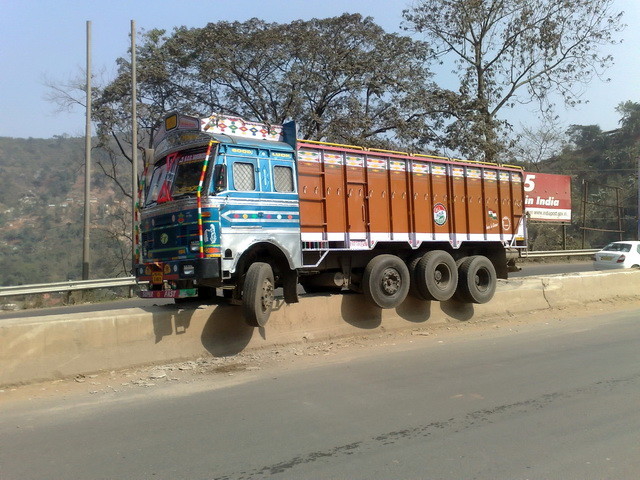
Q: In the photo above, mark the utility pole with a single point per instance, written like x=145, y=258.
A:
x=87, y=165
x=134, y=147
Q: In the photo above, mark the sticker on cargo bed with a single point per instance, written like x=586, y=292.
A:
x=355, y=244
x=333, y=159
x=354, y=161
x=506, y=223
x=420, y=168
x=439, y=170
x=439, y=214
x=474, y=173
x=376, y=163
x=493, y=219
x=490, y=175
x=397, y=166
x=308, y=156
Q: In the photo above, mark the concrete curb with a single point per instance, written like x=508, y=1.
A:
x=35, y=349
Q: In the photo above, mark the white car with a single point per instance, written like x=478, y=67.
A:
x=618, y=255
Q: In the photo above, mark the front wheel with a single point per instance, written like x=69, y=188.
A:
x=257, y=294
x=385, y=281
x=477, y=279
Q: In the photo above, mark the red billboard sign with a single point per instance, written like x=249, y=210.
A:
x=548, y=197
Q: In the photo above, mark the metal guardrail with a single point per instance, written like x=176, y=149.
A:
x=559, y=253
x=131, y=281
x=67, y=286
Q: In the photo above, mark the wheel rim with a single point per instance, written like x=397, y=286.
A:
x=442, y=276
x=482, y=279
x=266, y=298
x=391, y=281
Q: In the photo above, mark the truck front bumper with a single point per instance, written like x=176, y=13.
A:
x=156, y=273
x=181, y=293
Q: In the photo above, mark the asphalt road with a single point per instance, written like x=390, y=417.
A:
x=547, y=399
x=530, y=269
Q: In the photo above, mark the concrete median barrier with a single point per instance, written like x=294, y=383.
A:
x=57, y=346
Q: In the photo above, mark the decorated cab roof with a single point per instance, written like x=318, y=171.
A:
x=179, y=131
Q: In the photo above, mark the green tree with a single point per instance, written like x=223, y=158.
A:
x=344, y=79
x=607, y=163
x=515, y=51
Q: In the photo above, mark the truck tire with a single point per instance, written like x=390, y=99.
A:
x=413, y=287
x=385, y=281
x=437, y=276
x=477, y=280
x=257, y=294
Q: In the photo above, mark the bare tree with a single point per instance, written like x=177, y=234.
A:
x=514, y=51
x=535, y=144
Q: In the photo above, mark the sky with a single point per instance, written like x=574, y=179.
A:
x=44, y=41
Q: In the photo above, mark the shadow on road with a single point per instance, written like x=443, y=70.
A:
x=357, y=311
x=224, y=331
x=459, y=310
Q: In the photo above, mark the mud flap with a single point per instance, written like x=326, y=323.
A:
x=290, y=286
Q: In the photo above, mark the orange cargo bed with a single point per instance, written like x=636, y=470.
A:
x=355, y=198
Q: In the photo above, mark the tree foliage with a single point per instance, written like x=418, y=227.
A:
x=342, y=78
x=514, y=51
x=607, y=162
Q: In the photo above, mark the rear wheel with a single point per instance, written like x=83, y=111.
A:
x=385, y=281
x=413, y=287
x=257, y=294
x=436, y=276
x=477, y=280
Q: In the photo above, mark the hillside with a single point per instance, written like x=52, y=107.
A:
x=606, y=165
x=42, y=208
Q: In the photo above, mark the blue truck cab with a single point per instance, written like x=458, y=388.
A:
x=221, y=197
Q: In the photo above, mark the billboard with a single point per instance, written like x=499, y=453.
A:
x=548, y=197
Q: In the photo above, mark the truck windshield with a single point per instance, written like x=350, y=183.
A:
x=187, y=178
x=176, y=176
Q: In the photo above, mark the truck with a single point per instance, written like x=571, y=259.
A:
x=239, y=209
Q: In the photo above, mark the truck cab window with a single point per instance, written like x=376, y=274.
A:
x=156, y=182
x=283, y=178
x=244, y=177
x=187, y=178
